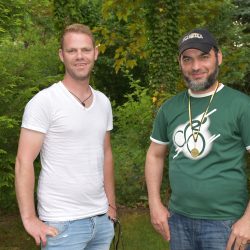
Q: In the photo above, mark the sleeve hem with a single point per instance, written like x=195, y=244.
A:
x=158, y=142
x=34, y=128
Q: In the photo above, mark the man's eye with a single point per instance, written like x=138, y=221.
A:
x=204, y=57
x=71, y=51
x=186, y=59
x=86, y=50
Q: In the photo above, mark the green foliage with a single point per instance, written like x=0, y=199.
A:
x=139, y=30
x=11, y=17
x=25, y=20
x=38, y=24
x=67, y=12
x=7, y=130
x=105, y=79
x=123, y=30
x=243, y=13
x=163, y=33
x=24, y=71
x=198, y=13
x=133, y=122
x=121, y=36
x=242, y=19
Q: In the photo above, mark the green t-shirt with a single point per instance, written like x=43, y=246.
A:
x=214, y=184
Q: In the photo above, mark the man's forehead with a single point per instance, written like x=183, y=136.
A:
x=76, y=37
x=194, y=52
x=78, y=43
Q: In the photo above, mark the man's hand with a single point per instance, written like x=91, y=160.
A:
x=39, y=230
x=159, y=219
x=112, y=213
x=240, y=235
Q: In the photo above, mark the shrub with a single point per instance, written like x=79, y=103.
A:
x=133, y=122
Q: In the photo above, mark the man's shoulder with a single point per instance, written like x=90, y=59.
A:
x=47, y=91
x=44, y=96
x=236, y=94
x=176, y=99
x=100, y=95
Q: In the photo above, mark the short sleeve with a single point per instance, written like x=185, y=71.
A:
x=37, y=113
x=159, y=133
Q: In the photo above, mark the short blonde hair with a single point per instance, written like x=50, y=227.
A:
x=77, y=28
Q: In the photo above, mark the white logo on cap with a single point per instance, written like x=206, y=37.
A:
x=192, y=35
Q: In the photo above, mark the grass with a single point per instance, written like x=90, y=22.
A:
x=137, y=232
x=12, y=234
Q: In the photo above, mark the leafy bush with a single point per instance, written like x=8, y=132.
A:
x=24, y=71
x=133, y=122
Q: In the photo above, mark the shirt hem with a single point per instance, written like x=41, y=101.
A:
x=72, y=218
x=205, y=217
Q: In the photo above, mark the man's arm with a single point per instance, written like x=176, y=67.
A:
x=30, y=143
x=155, y=162
x=240, y=234
x=109, y=180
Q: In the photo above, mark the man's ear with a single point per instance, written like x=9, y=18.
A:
x=96, y=52
x=60, y=53
x=220, y=57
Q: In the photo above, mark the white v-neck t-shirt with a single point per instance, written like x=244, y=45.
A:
x=70, y=184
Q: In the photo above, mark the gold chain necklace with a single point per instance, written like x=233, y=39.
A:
x=195, y=152
x=82, y=102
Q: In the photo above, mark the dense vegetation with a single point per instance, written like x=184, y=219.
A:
x=137, y=67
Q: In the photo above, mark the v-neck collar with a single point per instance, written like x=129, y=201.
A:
x=74, y=98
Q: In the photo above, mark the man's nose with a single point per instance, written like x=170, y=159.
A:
x=196, y=65
x=79, y=54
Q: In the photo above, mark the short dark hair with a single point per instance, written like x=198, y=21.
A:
x=77, y=28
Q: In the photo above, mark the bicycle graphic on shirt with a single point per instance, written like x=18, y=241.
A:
x=184, y=141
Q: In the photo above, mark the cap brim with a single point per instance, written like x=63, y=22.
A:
x=204, y=47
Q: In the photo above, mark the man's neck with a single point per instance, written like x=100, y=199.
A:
x=78, y=87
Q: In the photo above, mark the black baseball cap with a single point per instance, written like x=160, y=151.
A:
x=200, y=39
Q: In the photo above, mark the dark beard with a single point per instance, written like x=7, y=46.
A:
x=200, y=86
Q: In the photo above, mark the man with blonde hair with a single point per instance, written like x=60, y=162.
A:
x=69, y=124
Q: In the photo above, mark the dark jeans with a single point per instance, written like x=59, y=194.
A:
x=198, y=234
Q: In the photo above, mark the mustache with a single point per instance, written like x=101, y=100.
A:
x=198, y=71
